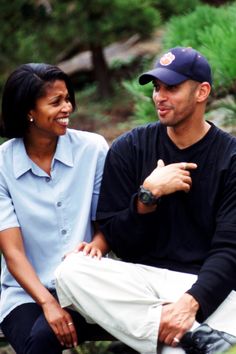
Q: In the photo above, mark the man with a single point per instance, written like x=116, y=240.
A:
x=168, y=209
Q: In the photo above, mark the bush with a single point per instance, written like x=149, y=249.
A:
x=212, y=31
x=169, y=8
x=142, y=95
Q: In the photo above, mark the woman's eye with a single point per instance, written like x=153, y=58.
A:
x=56, y=103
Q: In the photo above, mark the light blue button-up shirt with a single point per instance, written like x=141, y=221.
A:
x=54, y=212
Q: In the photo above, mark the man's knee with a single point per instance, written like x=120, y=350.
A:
x=75, y=267
x=71, y=276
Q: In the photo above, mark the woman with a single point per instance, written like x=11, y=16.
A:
x=49, y=184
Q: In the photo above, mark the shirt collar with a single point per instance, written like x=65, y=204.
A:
x=22, y=163
x=64, y=151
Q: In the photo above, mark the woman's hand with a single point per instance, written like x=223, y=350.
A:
x=88, y=249
x=61, y=323
x=97, y=248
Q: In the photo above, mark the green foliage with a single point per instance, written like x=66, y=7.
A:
x=142, y=95
x=168, y=8
x=212, y=31
x=184, y=30
x=99, y=347
x=36, y=31
x=21, y=22
x=103, y=21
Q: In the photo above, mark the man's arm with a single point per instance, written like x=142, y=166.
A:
x=125, y=222
x=216, y=278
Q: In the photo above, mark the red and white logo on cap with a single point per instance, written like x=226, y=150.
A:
x=167, y=59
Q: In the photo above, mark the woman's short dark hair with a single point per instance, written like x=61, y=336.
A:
x=22, y=89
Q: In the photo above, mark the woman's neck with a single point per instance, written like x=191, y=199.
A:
x=41, y=151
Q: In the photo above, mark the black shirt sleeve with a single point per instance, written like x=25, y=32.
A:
x=217, y=275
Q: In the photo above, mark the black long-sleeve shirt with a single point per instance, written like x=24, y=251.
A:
x=192, y=232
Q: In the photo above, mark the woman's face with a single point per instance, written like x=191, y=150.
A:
x=50, y=117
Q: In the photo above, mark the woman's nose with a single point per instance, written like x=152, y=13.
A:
x=67, y=106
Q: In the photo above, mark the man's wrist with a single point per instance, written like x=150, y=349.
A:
x=192, y=301
x=155, y=190
x=146, y=197
x=144, y=209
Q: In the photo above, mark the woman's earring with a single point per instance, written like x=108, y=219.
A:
x=31, y=119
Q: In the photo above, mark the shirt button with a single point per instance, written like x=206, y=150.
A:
x=63, y=232
x=48, y=179
x=59, y=204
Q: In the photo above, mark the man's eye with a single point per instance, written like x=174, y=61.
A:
x=172, y=87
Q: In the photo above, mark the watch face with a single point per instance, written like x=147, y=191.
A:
x=146, y=197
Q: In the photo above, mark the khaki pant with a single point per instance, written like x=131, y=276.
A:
x=125, y=298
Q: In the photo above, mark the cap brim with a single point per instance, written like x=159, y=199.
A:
x=167, y=76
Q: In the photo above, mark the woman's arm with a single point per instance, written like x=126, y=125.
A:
x=12, y=247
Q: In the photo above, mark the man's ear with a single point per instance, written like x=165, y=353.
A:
x=204, y=90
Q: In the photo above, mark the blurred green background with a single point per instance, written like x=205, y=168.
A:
x=104, y=45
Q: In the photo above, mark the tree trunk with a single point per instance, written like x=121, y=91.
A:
x=101, y=71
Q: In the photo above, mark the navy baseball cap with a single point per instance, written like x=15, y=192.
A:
x=177, y=65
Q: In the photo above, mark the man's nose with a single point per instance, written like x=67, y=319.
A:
x=159, y=95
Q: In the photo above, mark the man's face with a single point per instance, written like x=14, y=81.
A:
x=175, y=104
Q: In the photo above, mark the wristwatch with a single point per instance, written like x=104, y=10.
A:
x=146, y=197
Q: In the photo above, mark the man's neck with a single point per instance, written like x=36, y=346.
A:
x=185, y=136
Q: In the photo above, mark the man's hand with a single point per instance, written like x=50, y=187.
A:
x=170, y=178
x=176, y=319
